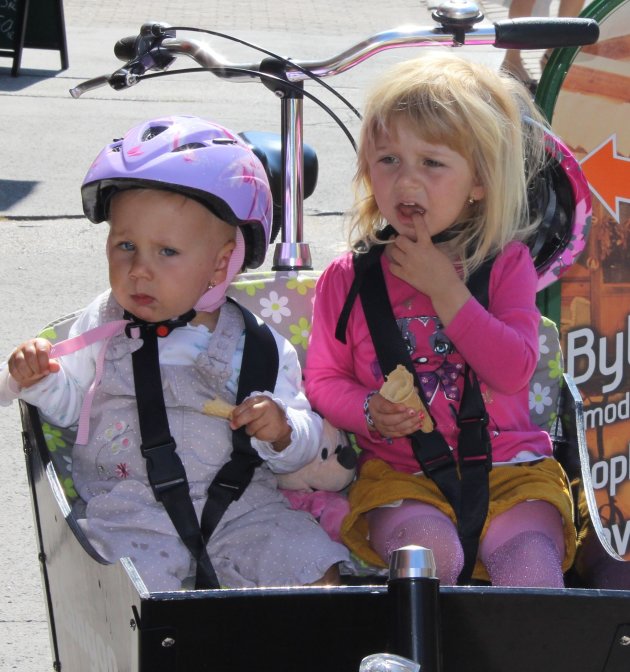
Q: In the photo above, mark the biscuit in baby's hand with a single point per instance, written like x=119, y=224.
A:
x=398, y=388
x=219, y=408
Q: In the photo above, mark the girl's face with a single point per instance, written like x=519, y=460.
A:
x=164, y=250
x=409, y=175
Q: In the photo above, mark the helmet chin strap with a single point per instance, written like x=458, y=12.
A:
x=215, y=297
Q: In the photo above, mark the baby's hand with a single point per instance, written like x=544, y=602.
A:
x=393, y=420
x=30, y=362
x=263, y=419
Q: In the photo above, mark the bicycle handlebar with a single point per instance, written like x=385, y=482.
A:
x=458, y=22
x=156, y=47
x=534, y=33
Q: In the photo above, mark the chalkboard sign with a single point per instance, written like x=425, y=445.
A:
x=8, y=23
x=35, y=24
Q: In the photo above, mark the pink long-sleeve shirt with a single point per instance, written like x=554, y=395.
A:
x=500, y=344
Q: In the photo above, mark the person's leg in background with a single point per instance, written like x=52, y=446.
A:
x=566, y=8
x=513, y=62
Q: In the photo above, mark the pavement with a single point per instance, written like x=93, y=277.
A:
x=51, y=257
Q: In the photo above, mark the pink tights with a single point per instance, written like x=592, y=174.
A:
x=421, y=525
x=523, y=546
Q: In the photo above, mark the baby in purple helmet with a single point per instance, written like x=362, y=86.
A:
x=188, y=205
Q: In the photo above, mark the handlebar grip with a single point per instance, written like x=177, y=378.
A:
x=125, y=48
x=95, y=83
x=541, y=33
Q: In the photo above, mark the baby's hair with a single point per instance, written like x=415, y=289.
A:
x=476, y=112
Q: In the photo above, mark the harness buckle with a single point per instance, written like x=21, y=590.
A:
x=474, y=442
x=438, y=463
x=137, y=327
x=235, y=475
x=164, y=468
x=432, y=452
x=134, y=329
x=229, y=485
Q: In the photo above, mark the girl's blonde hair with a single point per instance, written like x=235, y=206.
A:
x=476, y=112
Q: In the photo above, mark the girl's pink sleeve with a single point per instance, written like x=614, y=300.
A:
x=330, y=380
x=501, y=343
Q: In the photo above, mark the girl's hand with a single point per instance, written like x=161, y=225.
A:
x=263, y=419
x=30, y=362
x=393, y=420
x=422, y=265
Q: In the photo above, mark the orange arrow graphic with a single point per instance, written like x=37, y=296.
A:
x=608, y=175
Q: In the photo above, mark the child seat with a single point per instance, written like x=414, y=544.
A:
x=284, y=299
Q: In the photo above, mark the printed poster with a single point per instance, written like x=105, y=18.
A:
x=592, y=115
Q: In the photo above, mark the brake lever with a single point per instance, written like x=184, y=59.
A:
x=121, y=79
x=88, y=85
x=142, y=52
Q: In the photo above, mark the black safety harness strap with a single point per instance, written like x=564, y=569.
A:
x=165, y=470
x=463, y=484
x=473, y=447
x=259, y=371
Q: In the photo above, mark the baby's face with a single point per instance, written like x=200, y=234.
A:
x=164, y=250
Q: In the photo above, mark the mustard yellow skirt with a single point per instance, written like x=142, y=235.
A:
x=380, y=485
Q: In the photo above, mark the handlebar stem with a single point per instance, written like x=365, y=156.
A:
x=292, y=253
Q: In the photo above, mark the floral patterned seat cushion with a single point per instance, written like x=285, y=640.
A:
x=284, y=299
x=545, y=386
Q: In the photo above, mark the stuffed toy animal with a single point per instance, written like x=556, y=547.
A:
x=316, y=487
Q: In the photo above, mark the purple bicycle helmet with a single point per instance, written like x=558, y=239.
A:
x=194, y=157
